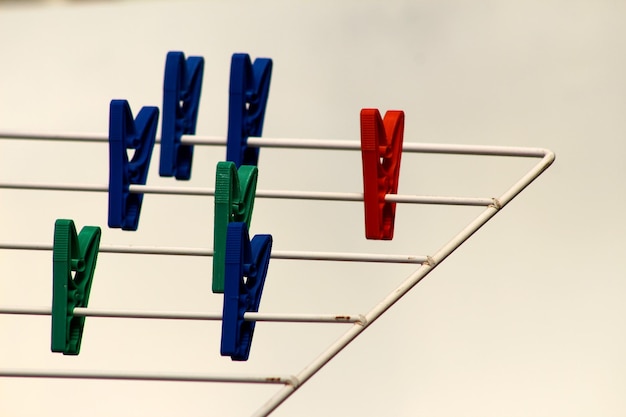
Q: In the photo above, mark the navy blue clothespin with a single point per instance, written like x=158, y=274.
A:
x=249, y=90
x=126, y=133
x=246, y=268
x=181, y=100
x=71, y=254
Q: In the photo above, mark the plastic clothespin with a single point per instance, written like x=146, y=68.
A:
x=381, y=151
x=181, y=100
x=249, y=90
x=73, y=265
x=126, y=133
x=234, y=201
x=246, y=268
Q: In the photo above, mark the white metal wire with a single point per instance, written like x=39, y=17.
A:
x=275, y=194
x=276, y=254
x=294, y=143
x=188, y=315
x=156, y=376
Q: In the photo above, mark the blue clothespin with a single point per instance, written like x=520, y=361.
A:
x=71, y=254
x=249, y=90
x=181, y=100
x=246, y=268
x=235, y=190
x=124, y=134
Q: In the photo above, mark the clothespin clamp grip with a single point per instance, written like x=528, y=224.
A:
x=247, y=263
x=73, y=265
x=234, y=201
x=249, y=90
x=181, y=99
x=381, y=151
x=126, y=133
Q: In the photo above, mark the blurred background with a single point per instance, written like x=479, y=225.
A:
x=525, y=319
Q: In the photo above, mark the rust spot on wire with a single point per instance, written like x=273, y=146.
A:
x=358, y=319
x=286, y=380
x=429, y=261
x=496, y=204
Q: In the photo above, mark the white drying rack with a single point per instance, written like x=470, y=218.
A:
x=359, y=322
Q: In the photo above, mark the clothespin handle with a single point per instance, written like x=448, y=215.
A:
x=72, y=255
x=126, y=133
x=235, y=190
x=248, y=94
x=247, y=263
x=381, y=152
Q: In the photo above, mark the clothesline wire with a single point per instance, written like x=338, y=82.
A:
x=276, y=254
x=188, y=315
x=154, y=376
x=294, y=143
x=270, y=194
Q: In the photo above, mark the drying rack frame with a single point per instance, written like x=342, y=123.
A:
x=359, y=322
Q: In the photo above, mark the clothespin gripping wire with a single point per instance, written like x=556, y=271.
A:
x=248, y=94
x=182, y=86
x=381, y=152
x=235, y=191
x=126, y=133
x=247, y=263
x=74, y=263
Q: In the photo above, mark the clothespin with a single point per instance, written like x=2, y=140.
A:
x=234, y=200
x=246, y=268
x=381, y=150
x=126, y=133
x=181, y=100
x=73, y=265
x=249, y=90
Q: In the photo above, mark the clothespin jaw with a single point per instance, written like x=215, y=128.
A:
x=381, y=151
x=249, y=90
x=73, y=265
x=246, y=268
x=181, y=100
x=126, y=133
x=235, y=190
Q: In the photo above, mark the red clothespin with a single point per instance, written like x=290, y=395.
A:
x=381, y=149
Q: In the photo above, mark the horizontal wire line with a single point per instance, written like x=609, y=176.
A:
x=184, y=315
x=154, y=376
x=295, y=143
x=276, y=194
x=276, y=254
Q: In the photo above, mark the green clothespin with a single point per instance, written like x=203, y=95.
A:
x=235, y=190
x=73, y=264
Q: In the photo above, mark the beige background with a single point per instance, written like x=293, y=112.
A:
x=526, y=319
